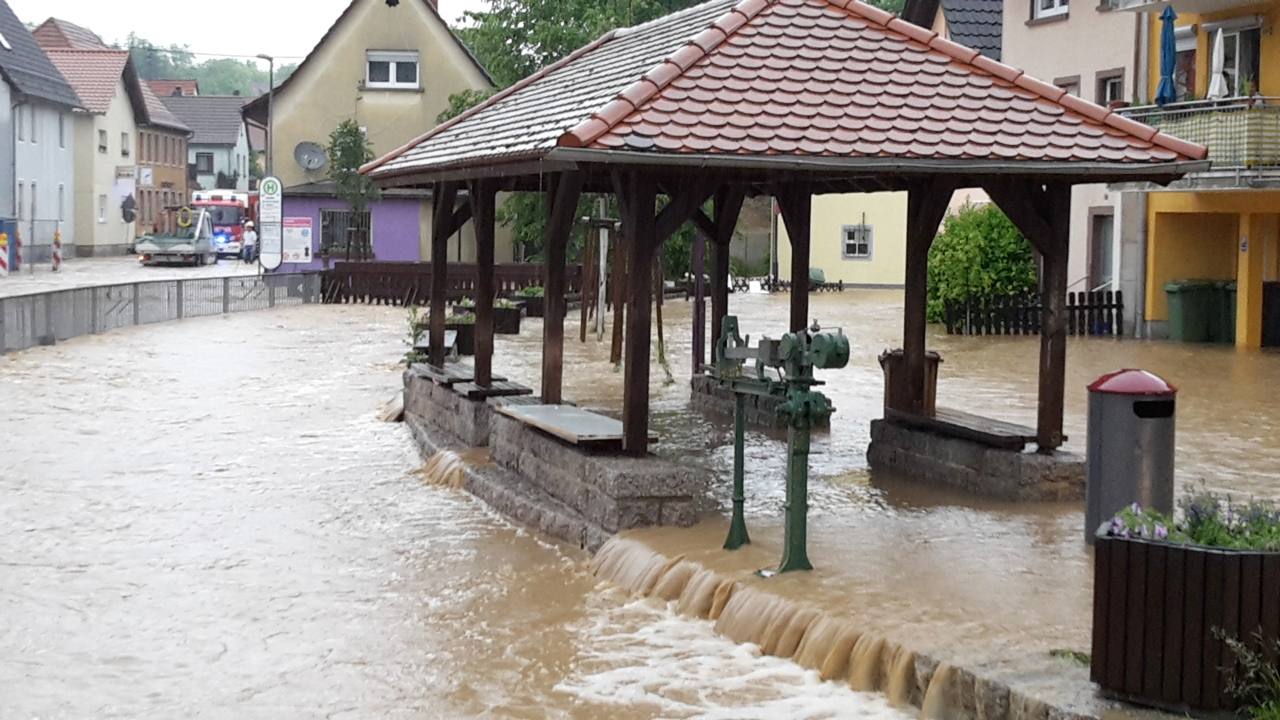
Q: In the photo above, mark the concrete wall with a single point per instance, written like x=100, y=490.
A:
x=1083, y=43
x=45, y=163
x=96, y=175
x=396, y=226
x=886, y=212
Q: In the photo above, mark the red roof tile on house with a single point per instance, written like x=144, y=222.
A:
x=60, y=34
x=164, y=88
x=833, y=79
x=158, y=114
x=93, y=73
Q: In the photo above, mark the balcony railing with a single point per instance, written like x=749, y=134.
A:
x=1240, y=132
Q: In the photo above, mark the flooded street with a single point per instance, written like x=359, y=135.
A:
x=87, y=272
x=204, y=518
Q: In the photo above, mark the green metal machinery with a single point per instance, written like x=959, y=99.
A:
x=783, y=368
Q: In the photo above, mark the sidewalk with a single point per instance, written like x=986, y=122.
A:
x=88, y=272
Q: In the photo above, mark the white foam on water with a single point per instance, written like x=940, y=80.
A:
x=639, y=653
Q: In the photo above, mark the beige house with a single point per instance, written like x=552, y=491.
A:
x=390, y=67
x=859, y=239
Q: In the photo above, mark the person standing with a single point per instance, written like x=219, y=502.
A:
x=249, y=251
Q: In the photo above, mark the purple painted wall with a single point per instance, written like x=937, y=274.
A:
x=395, y=228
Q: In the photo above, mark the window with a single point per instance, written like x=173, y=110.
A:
x=34, y=124
x=1070, y=84
x=102, y=208
x=22, y=200
x=204, y=163
x=124, y=144
x=62, y=130
x=22, y=123
x=345, y=234
x=62, y=202
x=857, y=241
x=1110, y=86
x=35, y=208
x=394, y=70
x=102, y=141
x=1184, y=67
x=1048, y=8
x=1240, y=48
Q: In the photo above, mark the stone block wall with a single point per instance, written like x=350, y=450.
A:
x=614, y=493
x=465, y=422
x=710, y=396
x=974, y=467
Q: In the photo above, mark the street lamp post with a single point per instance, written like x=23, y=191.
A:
x=271, y=107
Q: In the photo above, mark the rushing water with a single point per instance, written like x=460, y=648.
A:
x=206, y=518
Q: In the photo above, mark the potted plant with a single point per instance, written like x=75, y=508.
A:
x=465, y=325
x=506, y=317
x=1172, y=594
x=534, y=300
x=464, y=306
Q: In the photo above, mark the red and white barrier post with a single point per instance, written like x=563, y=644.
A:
x=57, y=250
x=4, y=255
x=17, y=249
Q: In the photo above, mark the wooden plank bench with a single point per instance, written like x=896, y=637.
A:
x=497, y=388
x=572, y=424
x=957, y=423
x=450, y=375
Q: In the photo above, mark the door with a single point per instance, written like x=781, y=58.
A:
x=1101, y=251
x=1271, y=314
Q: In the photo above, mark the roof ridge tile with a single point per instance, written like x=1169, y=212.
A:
x=684, y=58
x=921, y=35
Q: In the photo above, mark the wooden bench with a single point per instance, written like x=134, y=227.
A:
x=450, y=375
x=572, y=424
x=497, y=388
x=957, y=423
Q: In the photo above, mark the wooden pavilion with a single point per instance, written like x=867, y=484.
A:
x=789, y=98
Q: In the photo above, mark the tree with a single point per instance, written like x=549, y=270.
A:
x=216, y=76
x=348, y=150
x=461, y=102
x=978, y=256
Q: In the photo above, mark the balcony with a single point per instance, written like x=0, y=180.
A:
x=1241, y=133
x=1182, y=7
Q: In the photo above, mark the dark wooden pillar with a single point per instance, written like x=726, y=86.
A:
x=562, y=205
x=699, y=303
x=483, y=198
x=639, y=235
x=1042, y=211
x=727, y=206
x=797, y=213
x=446, y=194
x=926, y=206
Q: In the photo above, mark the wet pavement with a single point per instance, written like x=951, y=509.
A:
x=87, y=272
x=204, y=518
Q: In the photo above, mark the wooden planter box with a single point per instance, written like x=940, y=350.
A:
x=1155, y=606
x=506, y=321
x=533, y=306
x=466, y=337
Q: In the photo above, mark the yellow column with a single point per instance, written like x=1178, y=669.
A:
x=1255, y=232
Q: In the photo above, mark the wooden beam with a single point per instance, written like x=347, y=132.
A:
x=699, y=302
x=683, y=202
x=562, y=207
x=1024, y=203
x=727, y=206
x=483, y=203
x=797, y=213
x=446, y=194
x=704, y=224
x=640, y=231
x=927, y=204
x=1053, y=330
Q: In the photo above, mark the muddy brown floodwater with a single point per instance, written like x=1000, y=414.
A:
x=205, y=518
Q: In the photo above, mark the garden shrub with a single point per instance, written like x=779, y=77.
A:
x=978, y=256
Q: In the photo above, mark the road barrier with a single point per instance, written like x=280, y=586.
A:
x=50, y=317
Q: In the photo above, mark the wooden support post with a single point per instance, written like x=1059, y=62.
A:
x=926, y=206
x=727, y=207
x=562, y=206
x=1043, y=213
x=797, y=213
x=446, y=193
x=639, y=231
x=483, y=199
x=619, y=284
x=699, y=303
x=588, y=280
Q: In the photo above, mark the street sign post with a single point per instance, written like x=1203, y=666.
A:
x=271, y=222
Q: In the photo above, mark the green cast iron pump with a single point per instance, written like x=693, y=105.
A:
x=793, y=358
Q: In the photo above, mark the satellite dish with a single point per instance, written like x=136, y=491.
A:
x=310, y=156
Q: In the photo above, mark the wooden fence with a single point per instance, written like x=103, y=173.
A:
x=409, y=283
x=773, y=286
x=1088, y=313
x=1156, y=607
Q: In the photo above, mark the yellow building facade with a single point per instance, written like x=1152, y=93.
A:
x=858, y=239
x=1223, y=224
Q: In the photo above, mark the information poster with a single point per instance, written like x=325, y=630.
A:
x=297, y=239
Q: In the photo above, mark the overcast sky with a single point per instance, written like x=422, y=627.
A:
x=287, y=30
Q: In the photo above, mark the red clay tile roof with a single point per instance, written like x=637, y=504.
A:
x=93, y=73
x=158, y=114
x=60, y=34
x=832, y=79
x=164, y=88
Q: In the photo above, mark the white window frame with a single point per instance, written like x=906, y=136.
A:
x=22, y=124
x=103, y=140
x=124, y=144
x=62, y=202
x=393, y=58
x=34, y=126
x=212, y=165
x=1054, y=8
x=35, y=206
x=22, y=200
x=102, y=209
x=868, y=238
x=62, y=130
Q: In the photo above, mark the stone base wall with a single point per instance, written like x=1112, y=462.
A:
x=614, y=493
x=465, y=422
x=974, y=467
x=709, y=396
